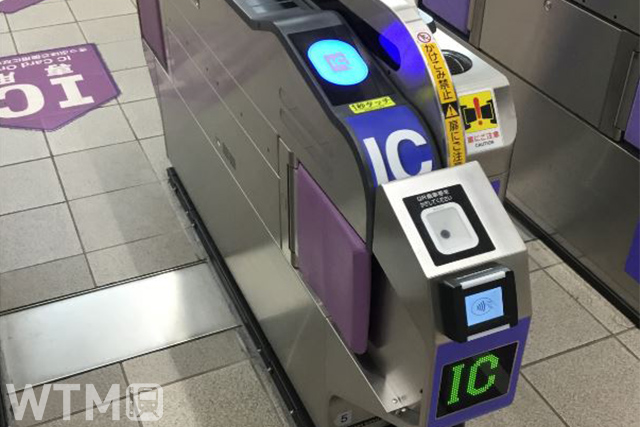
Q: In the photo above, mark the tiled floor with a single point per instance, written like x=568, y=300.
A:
x=581, y=366
x=90, y=200
x=214, y=381
x=88, y=205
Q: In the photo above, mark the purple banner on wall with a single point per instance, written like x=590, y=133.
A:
x=632, y=266
x=10, y=6
x=632, y=133
x=496, y=186
x=48, y=89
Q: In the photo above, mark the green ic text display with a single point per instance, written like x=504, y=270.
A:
x=476, y=379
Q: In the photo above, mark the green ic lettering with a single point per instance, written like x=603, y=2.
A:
x=472, y=388
x=455, y=386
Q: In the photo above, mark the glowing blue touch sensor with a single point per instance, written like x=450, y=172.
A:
x=338, y=62
x=484, y=306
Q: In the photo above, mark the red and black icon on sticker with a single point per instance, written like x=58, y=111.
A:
x=478, y=112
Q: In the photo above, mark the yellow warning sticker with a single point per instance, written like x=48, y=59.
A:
x=478, y=111
x=451, y=112
x=455, y=141
x=447, y=96
x=371, y=105
x=481, y=121
x=440, y=72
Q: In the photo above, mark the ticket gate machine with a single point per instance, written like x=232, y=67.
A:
x=359, y=227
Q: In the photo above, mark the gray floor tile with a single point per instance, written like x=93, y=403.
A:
x=542, y=254
x=110, y=30
x=594, y=386
x=135, y=84
x=123, y=216
x=40, y=15
x=4, y=27
x=527, y=410
x=533, y=266
x=37, y=236
x=17, y=145
x=631, y=340
x=589, y=298
x=29, y=185
x=559, y=323
x=141, y=257
x=176, y=205
x=240, y=401
x=94, y=9
x=144, y=117
x=186, y=360
x=104, y=169
x=48, y=38
x=156, y=152
x=123, y=54
x=43, y=282
x=102, y=417
x=6, y=45
x=102, y=379
x=102, y=126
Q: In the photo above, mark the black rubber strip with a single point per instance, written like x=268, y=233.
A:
x=278, y=374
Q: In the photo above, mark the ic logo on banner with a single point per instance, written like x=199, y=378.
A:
x=396, y=143
x=48, y=89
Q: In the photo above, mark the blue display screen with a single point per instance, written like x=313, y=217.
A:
x=484, y=306
x=338, y=62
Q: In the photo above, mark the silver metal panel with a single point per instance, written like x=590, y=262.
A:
x=79, y=334
x=580, y=186
x=622, y=12
x=287, y=313
x=241, y=156
x=256, y=63
x=575, y=58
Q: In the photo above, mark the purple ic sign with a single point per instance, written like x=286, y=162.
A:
x=46, y=90
x=10, y=6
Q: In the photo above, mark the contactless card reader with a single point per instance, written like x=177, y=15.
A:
x=476, y=302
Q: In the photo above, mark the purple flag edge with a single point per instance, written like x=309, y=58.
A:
x=18, y=7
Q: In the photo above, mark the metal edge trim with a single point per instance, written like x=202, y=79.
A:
x=100, y=288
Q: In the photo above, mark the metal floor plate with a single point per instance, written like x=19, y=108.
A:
x=75, y=335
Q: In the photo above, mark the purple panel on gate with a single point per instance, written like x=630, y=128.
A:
x=454, y=351
x=10, y=6
x=334, y=261
x=151, y=28
x=48, y=89
x=632, y=133
x=455, y=12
